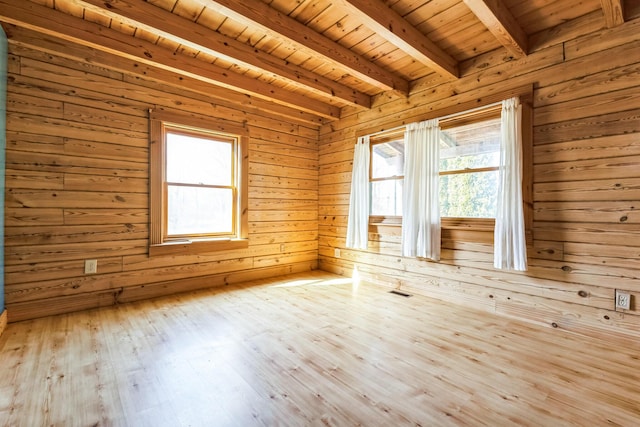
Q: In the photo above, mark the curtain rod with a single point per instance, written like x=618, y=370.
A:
x=448, y=116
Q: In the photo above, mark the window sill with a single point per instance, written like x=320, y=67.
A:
x=447, y=223
x=194, y=247
x=478, y=230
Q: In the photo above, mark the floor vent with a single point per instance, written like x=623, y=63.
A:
x=402, y=294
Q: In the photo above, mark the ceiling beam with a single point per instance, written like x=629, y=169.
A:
x=140, y=13
x=613, y=12
x=255, y=13
x=391, y=26
x=66, y=27
x=217, y=96
x=495, y=15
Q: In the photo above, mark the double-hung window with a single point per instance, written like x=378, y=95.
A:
x=386, y=170
x=469, y=172
x=469, y=163
x=198, y=185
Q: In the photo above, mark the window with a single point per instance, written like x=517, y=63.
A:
x=469, y=161
x=198, y=185
x=387, y=168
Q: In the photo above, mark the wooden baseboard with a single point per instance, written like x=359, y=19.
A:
x=559, y=315
x=85, y=301
x=3, y=321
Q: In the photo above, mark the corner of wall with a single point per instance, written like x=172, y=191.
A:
x=4, y=52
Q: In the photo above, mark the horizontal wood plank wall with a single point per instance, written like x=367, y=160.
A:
x=586, y=185
x=77, y=188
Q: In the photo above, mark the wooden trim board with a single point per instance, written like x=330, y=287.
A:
x=3, y=321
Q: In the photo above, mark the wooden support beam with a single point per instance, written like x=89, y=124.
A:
x=24, y=37
x=140, y=13
x=499, y=20
x=258, y=14
x=391, y=26
x=57, y=24
x=613, y=12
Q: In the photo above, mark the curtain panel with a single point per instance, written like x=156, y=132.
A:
x=510, y=247
x=420, y=194
x=358, y=220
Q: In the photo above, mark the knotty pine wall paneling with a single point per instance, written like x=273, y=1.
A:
x=77, y=187
x=586, y=185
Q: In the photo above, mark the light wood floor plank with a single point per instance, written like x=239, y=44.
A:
x=309, y=349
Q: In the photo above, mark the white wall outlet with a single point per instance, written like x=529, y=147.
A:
x=336, y=252
x=90, y=266
x=623, y=300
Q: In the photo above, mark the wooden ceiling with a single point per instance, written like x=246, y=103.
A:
x=312, y=57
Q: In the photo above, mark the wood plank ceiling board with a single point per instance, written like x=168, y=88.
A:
x=317, y=56
x=97, y=18
x=458, y=32
x=187, y=10
x=544, y=14
x=71, y=29
x=393, y=27
x=256, y=13
x=196, y=38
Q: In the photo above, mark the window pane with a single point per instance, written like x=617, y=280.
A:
x=193, y=160
x=471, y=195
x=470, y=146
x=199, y=210
x=387, y=159
x=386, y=197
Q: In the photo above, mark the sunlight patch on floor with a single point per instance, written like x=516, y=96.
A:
x=330, y=282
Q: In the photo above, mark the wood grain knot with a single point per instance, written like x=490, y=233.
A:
x=624, y=218
x=567, y=268
x=554, y=324
x=583, y=294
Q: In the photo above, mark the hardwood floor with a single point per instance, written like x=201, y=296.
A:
x=309, y=350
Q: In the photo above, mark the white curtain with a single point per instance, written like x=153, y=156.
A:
x=420, y=193
x=510, y=248
x=358, y=221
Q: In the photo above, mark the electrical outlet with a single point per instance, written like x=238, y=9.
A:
x=90, y=266
x=623, y=300
x=336, y=252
